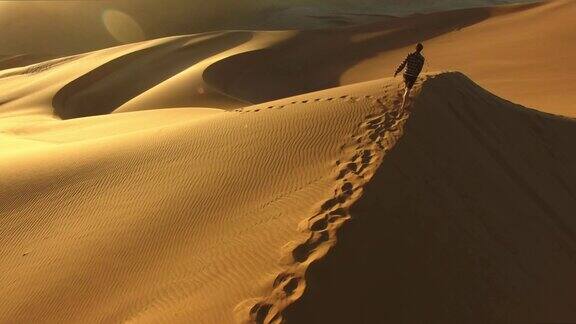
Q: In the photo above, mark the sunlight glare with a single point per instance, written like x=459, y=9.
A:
x=122, y=27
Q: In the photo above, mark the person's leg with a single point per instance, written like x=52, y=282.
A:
x=407, y=86
x=406, y=94
x=409, y=82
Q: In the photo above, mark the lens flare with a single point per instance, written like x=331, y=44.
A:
x=122, y=27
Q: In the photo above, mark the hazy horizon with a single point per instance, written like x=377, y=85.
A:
x=42, y=27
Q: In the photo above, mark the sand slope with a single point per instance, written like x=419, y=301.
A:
x=198, y=179
x=521, y=52
x=162, y=73
x=525, y=56
x=469, y=219
x=208, y=216
x=232, y=69
x=186, y=218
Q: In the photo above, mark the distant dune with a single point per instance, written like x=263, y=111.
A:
x=266, y=177
x=42, y=29
x=502, y=49
x=523, y=53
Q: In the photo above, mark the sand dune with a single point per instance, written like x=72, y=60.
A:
x=165, y=215
x=522, y=52
x=199, y=215
x=469, y=219
x=235, y=68
x=163, y=73
x=211, y=178
x=189, y=85
x=55, y=28
x=524, y=56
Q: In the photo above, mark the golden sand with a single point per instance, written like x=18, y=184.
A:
x=201, y=179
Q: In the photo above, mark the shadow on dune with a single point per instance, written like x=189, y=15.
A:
x=109, y=86
x=317, y=59
x=469, y=219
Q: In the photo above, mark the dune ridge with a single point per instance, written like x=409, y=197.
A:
x=95, y=93
x=375, y=136
x=233, y=69
x=531, y=34
x=104, y=221
x=257, y=177
x=469, y=219
x=271, y=212
x=162, y=73
x=524, y=55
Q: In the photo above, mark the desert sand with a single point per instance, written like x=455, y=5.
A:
x=523, y=53
x=263, y=177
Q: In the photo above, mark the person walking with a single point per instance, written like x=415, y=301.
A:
x=412, y=66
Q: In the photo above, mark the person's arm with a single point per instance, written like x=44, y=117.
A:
x=401, y=67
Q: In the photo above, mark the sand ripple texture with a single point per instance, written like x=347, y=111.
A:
x=179, y=215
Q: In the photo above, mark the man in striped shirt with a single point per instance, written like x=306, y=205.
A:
x=412, y=66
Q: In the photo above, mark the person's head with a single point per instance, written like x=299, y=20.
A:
x=419, y=47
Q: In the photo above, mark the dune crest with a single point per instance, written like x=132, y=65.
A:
x=183, y=218
x=232, y=69
x=258, y=177
x=469, y=219
x=271, y=212
x=521, y=53
x=362, y=155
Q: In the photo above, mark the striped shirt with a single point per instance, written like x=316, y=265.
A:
x=413, y=64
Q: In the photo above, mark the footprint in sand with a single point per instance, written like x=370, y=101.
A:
x=304, y=250
x=260, y=311
x=291, y=286
x=319, y=223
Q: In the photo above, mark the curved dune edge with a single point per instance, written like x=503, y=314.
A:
x=374, y=137
x=158, y=220
x=535, y=30
x=157, y=74
x=183, y=221
x=469, y=219
x=97, y=91
x=310, y=288
x=236, y=68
